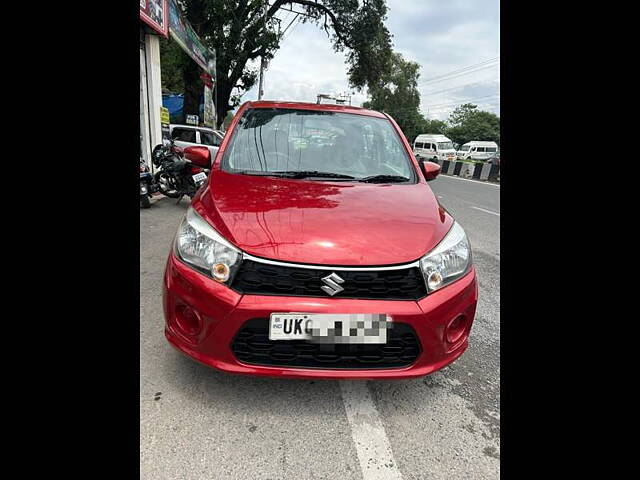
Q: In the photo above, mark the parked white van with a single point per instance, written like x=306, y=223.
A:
x=434, y=147
x=482, y=151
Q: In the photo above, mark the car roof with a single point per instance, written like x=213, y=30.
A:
x=322, y=107
x=434, y=136
x=482, y=143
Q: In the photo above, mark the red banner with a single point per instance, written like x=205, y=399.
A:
x=206, y=79
x=155, y=13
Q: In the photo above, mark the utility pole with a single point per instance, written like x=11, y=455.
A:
x=261, y=75
x=262, y=58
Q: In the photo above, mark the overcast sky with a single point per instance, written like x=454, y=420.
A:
x=443, y=36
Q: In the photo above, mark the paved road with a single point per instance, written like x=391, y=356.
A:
x=197, y=423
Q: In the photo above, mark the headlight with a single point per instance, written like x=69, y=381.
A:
x=204, y=249
x=449, y=261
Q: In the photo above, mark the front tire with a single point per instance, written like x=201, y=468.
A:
x=145, y=201
x=164, y=182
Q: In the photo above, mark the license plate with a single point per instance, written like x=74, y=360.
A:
x=331, y=328
x=199, y=177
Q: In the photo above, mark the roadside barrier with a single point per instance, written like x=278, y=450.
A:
x=478, y=170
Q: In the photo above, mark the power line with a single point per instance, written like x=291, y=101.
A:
x=453, y=107
x=458, y=75
x=297, y=22
x=464, y=100
x=459, y=87
x=463, y=69
x=485, y=107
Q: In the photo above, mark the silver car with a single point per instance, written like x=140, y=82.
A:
x=190, y=135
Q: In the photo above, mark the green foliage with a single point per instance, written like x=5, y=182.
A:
x=432, y=126
x=227, y=120
x=241, y=30
x=172, y=61
x=467, y=123
x=397, y=94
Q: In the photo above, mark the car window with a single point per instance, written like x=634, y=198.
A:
x=277, y=140
x=208, y=138
x=419, y=145
x=491, y=149
x=480, y=149
x=184, y=135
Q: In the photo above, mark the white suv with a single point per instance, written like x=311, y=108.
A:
x=189, y=136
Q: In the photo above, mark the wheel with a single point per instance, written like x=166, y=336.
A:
x=165, y=184
x=145, y=201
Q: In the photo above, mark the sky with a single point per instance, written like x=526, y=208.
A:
x=456, y=43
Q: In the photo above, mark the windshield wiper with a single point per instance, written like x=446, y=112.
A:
x=258, y=174
x=299, y=174
x=313, y=173
x=384, y=179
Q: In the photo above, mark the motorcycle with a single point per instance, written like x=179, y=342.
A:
x=147, y=185
x=177, y=176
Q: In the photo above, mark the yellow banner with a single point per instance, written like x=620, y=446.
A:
x=164, y=115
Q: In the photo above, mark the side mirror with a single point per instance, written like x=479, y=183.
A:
x=199, y=156
x=430, y=169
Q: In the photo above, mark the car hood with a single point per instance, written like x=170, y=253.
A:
x=328, y=223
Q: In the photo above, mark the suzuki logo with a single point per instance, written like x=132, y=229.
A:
x=332, y=282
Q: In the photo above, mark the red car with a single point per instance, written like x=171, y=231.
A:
x=317, y=249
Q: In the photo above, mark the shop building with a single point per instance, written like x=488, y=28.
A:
x=154, y=23
x=161, y=18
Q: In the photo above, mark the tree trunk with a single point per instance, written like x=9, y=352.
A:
x=193, y=89
x=223, y=93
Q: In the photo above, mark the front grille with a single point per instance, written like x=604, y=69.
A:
x=252, y=345
x=264, y=279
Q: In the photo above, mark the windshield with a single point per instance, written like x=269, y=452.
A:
x=348, y=146
x=445, y=146
x=464, y=148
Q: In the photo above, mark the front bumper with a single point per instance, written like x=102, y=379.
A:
x=222, y=312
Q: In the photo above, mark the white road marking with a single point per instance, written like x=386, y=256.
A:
x=371, y=442
x=488, y=211
x=469, y=180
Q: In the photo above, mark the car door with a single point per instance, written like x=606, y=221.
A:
x=184, y=137
x=491, y=152
x=430, y=150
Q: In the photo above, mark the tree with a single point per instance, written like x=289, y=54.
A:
x=467, y=123
x=227, y=120
x=396, y=93
x=433, y=126
x=173, y=60
x=243, y=30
